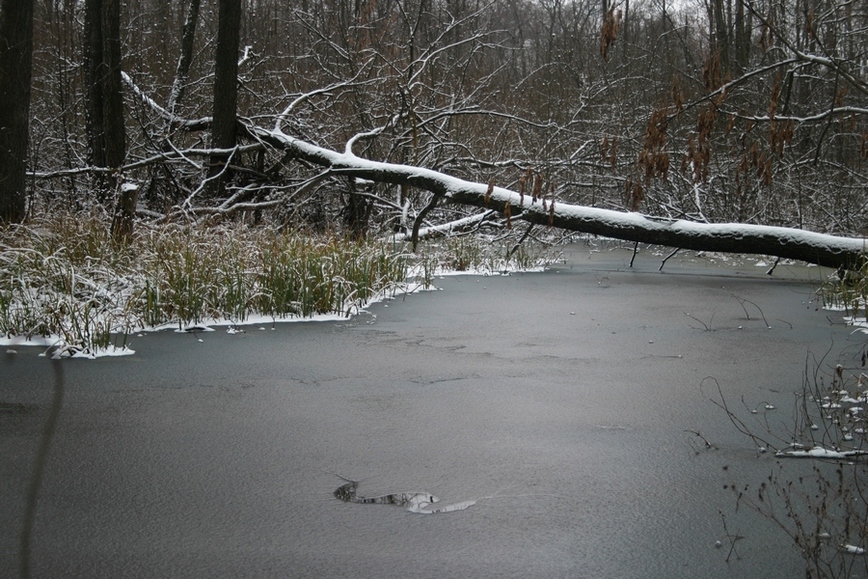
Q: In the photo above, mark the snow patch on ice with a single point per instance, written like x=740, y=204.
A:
x=57, y=348
x=798, y=451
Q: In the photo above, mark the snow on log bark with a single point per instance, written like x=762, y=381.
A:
x=818, y=248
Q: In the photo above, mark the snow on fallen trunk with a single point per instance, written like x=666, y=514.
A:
x=446, y=228
x=799, y=451
x=818, y=248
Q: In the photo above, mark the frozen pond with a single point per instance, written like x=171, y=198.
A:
x=556, y=403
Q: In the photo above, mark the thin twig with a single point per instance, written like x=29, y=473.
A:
x=635, y=251
x=665, y=259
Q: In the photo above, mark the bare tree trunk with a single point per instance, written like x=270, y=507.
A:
x=113, y=99
x=105, y=104
x=742, y=39
x=94, y=71
x=16, y=58
x=720, y=37
x=223, y=127
x=188, y=35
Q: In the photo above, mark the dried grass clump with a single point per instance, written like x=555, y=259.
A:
x=66, y=277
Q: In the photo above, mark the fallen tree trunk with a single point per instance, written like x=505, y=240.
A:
x=818, y=248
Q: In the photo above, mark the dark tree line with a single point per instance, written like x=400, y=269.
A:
x=712, y=110
x=16, y=54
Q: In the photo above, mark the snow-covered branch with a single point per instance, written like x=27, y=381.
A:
x=821, y=249
x=462, y=224
x=169, y=117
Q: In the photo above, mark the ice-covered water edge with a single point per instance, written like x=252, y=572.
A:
x=58, y=347
x=419, y=278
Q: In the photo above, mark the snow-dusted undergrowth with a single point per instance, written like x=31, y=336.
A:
x=66, y=278
x=64, y=282
x=848, y=293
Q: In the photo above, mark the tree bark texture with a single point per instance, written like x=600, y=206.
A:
x=16, y=58
x=223, y=128
x=95, y=70
x=113, y=103
x=188, y=35
x=105, y=105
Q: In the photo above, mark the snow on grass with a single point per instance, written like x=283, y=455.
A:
x=67, y=279
x=66, y=285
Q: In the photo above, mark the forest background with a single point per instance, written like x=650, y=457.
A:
x=750, y=111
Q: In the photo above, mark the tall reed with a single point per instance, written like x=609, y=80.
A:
x=66, y=277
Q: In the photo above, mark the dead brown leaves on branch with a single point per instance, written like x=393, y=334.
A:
x=699, y=147
x=780, y=134
x=537, y=187
x=753, y=163
x=531, y=181
x=713, y=76
x=523, y=182
x=653, y=161
x=653, y=158
x=634, y=193
x=677, y=95
x=609, y=32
